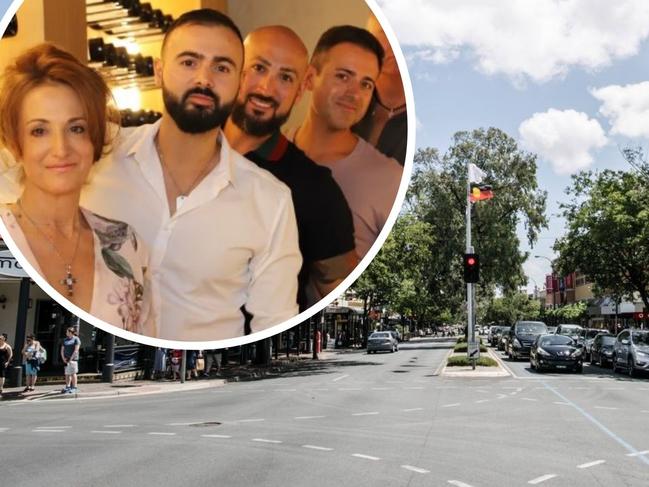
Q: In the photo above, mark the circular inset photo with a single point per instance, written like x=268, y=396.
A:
x=200, y=178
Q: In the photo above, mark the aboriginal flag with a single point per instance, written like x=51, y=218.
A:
x=480, y=192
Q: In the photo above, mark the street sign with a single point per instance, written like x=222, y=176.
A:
x=473, y=350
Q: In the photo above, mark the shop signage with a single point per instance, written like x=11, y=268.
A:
x=9, y=266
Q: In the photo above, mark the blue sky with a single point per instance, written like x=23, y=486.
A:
x=481, y=63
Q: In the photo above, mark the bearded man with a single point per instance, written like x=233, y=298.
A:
x=222, y=232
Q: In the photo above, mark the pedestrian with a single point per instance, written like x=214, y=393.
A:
x=191, y=365
x=70, y=356
x=32, y=352
x=159, y=363
x=211, y=357
x=6, y=354
x=176, y=357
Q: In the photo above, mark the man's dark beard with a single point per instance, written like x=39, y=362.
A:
x=199, y=119
x=252, y=126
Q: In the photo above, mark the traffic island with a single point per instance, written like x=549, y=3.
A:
x=458, y=365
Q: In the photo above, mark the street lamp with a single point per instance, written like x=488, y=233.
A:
x=554, y=304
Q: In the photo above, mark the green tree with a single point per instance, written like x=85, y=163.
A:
x=608, y=232
x=511, y=308
x=438, y=197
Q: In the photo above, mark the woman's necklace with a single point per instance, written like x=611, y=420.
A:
x=182, y=195
x=69, y=280
x=392, y=111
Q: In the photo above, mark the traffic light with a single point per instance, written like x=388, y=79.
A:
x=471, y=268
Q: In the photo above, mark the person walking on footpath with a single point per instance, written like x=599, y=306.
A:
x=70, y=356
x=6, y=354
x=32, y=352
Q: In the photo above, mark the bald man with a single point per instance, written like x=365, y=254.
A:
x=274, y=66
x=385, y=124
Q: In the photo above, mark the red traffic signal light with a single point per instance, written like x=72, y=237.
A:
x=471, y=268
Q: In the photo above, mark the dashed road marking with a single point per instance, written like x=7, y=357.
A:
x=542, y=478
x=414, y=388
x=161, y=433
x=371, y=413
x=2, y=430
x=382, y=388
x=252, y=420
x=315, y=447
x=53, y=427
x=366, y=457
x=415, y=469
x=528, y=399
x=216, y=436
x=322, y=389
x=286, y=390
x=457, y=483
x=412, y=409
x=350, y=389
x=450, y=405
x=48, y=431
x=561, y=403
x=591, y=464
x=340, y=378
x=638, y=453
x=606, y=407
x=481, y=401
x=119, y=426
x=106, y=432
x=309, y=417
x=180, y=424
x=265, y=440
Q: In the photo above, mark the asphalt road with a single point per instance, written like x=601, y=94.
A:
x=361, y=420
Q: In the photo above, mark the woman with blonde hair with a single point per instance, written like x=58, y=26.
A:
x=54, y=119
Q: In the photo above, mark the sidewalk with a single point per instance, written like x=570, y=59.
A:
x=131, y=387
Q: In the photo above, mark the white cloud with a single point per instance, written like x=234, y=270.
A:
x=537, y=40
x=626, y=108
x=564, y=138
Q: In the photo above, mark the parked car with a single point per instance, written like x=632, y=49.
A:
x=601, y=351
x=382, y=341
x=569, y=330
x=521, y=337
x=587, y=337
x=631, y=351
x=556, y=351
x=503, y=338
x=495, y=333
x=552, y=330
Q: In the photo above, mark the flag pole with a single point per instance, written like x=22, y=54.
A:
x=469, y=250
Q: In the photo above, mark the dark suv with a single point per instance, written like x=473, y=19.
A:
x=521, y=337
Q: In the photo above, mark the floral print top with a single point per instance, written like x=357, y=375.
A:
x=121, y=294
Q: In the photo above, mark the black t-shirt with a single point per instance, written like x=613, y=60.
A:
x=324, y=220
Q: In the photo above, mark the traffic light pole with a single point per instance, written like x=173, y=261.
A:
x=470, y=312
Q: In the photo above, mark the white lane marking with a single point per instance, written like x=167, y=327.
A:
x=645, y=411
x=613, y=388
x=502, y=396
x=591, y=464
x=382, y=388
x=48, y=431
x=481, y=401
x=542, y=478
x=528, y=399
x=315, y=447
x=253, y=420
x=561, y=403
x=340, y=378
x=415, y=469
x=580, y=388
x=264, y=440
x=412, y=409
x=606, y=407
x=119, y=426
x=371, y=413
x=309, y=417
x=286, y=390
x=323, y=389
x=450, y=405
x=457, y=483
x=394, y=382
x=53, y=427
x=254, y=390
x=414, y=388
x=180, y=424
x=161, y=433
x=638, y=453
x=366, y=457
x=3, y=430
x=106, y=432
x=216, y=436
x=349, y=389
